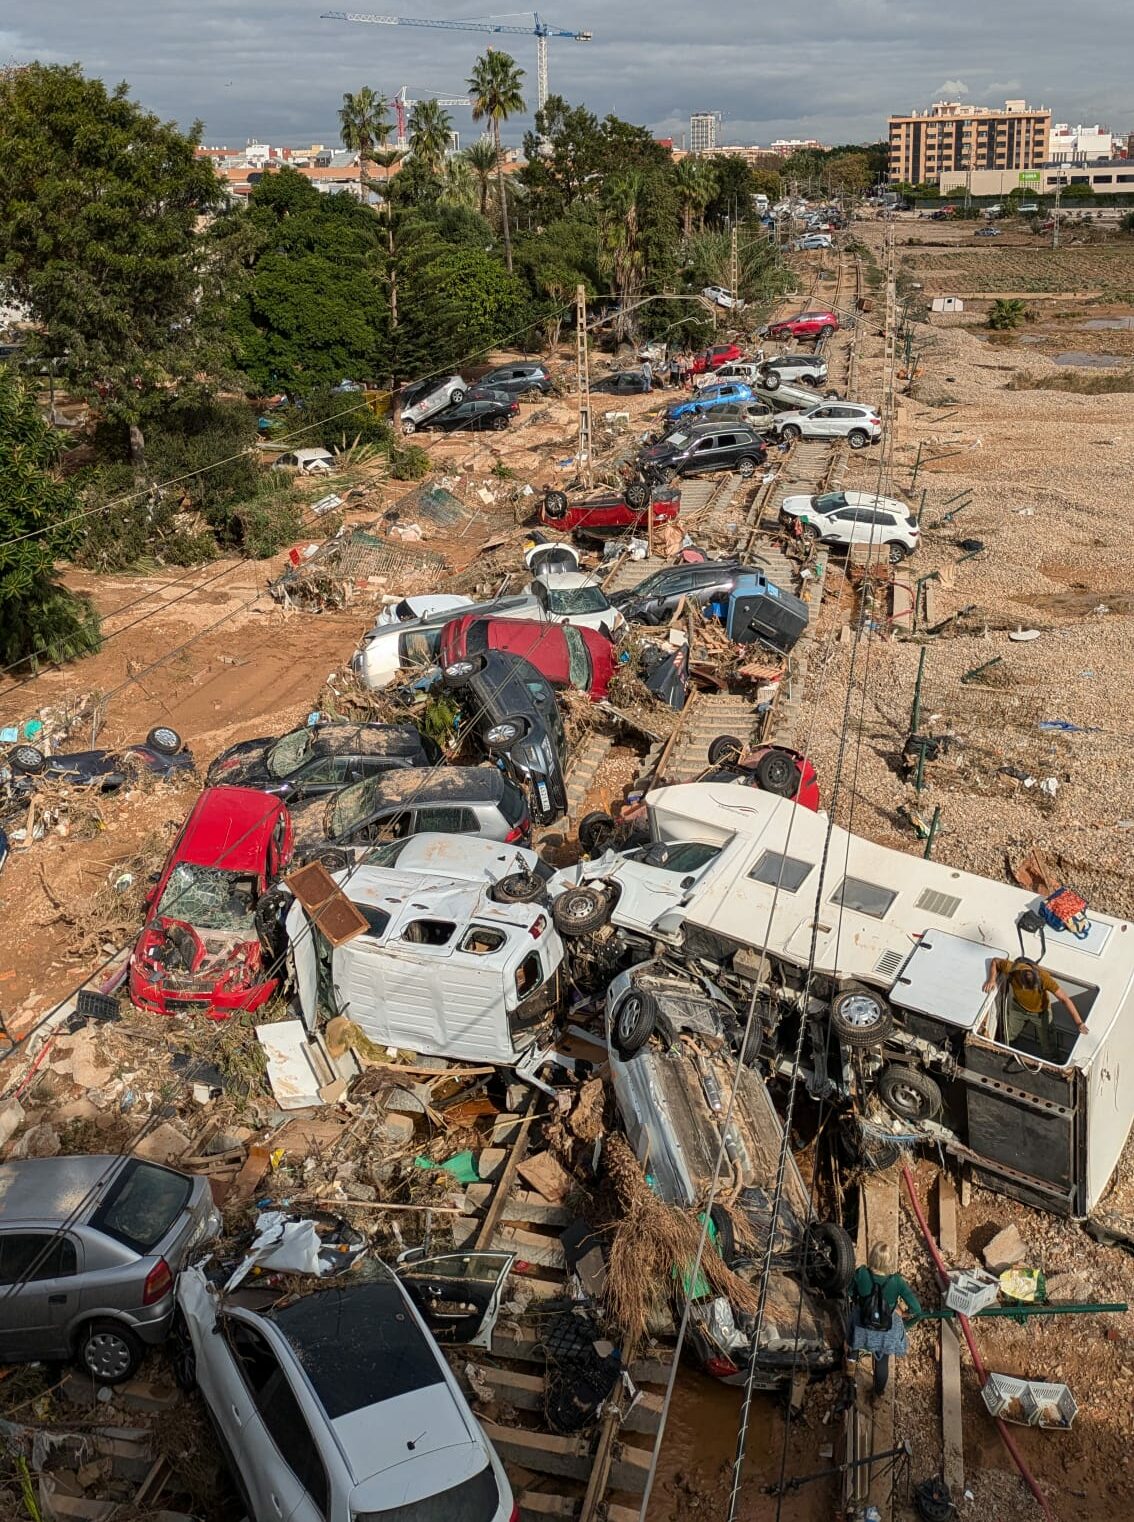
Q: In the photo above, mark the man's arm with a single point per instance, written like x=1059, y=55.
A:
x=995, y=968
x=1072, y=1011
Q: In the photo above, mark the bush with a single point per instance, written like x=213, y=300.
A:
x=408, y=462
x=261, y=527
x=51, y=622
x=1006, y=314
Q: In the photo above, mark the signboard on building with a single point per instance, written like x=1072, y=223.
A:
x=1029, y=176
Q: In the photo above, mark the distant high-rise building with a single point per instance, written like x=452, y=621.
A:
x=703, y=131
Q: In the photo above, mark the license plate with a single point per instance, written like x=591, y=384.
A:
x=543, y=796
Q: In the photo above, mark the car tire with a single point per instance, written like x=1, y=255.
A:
x=726, y=1235
x=580, y=911
x=828, y=1258
x=555, y=504
x=861, y=1017
x=808, y=380
x=637, y=494
x=778, y=772
x=462, y=671
x=633, y=1022
x=408, y=427
x=746, y=466
x=163, y=739
x=829, y=396
x=825, y=332
x=109, y=1351
x=790, y=432
x=857, y=439
x=499, y=424
x=909, y=1093
x=27, y=760
x=456, y=399
x=810, y=533
x=897, y=552
x=773, y=380
x=332, y=860
x=725, y=750
x=517, y=888
x=596, y=832
x=752, y=1045
x=513, y=722
x=182, y=1355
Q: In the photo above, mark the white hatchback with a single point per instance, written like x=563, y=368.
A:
x=856, y=517
x=575, y=597
x=308, y=462
x=859, y=424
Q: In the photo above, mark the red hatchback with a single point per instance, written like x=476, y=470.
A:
x=609, y=514
x=567, y=656
x=806, y=325
x=713, y=359
x=202, y=949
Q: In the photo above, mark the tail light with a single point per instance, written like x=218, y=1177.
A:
x=518, y=832
x=513, y=407
x=721, y=1368
x=159, y=1282
x=538, y=926
x=515, y=1517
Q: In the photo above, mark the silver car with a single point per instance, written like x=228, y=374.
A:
x=426, y=398
x=89, y=1251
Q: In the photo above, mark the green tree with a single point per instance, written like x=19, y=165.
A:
x=387, y=159
x=481, y=157
x=430, y=133
x=364, y=125
x=621, y=252
x=37, y=526
x=850, y=173
x=1126, y=225
x=696, y=183
x=495, y=86
x=458, y=301
x=1078, y=192
x=459, y=184
x=731, y=200
x=105, y=235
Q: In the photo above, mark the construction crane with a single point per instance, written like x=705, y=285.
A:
x=403, y=105
x=541, y=31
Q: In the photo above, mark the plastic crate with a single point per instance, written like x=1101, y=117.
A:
x=970, y=1290
x=1030, y=1402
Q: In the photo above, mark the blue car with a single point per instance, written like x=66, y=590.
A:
x=709, y=397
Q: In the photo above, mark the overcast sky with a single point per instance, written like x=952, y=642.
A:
x=831, y=69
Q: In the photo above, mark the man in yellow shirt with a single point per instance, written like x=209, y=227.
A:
x=1027, y=1006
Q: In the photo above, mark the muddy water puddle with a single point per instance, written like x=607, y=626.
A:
x=1103, y=324
x=1084, y=359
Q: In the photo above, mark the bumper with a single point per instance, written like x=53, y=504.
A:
x=210, y=1003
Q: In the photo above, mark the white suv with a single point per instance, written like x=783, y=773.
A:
x=854, y=421
x=855, y=517
x=426, y=398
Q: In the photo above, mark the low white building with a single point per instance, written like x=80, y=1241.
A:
x=1079, y=144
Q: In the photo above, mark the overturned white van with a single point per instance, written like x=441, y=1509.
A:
x=883, y=958
x=443, y=969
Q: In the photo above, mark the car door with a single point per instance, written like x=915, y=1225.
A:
x=702, y=455
x=320, y=776
x=458, y=1295
x=821, y=423
x=39, y=1293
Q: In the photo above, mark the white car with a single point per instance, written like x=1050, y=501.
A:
x=803, y=369
x=720, y=297
x=856, y=517
x=309, y=462
x=859, y=424
x=814, y=240
x=458, y=858
x=748, y=371
x=575, y=597
x=426, y=398
x=338, y=1405
x=422, y=607
x=643, y=891
x=410, y=647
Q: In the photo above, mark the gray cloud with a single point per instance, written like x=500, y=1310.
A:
x=277, y=71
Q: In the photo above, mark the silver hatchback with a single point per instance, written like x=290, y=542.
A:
x=89, y=1251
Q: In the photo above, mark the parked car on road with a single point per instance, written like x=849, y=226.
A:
x=420, y=401
x=804, y=369
x=338, y=1405
x=855, y=517
x=818, y=323
x=317, y=759
x=621, y=383
x=90, y=1247
x=411, y=647
x=512, y=711
x=706, y=446
x=708, y=397
x=611, y=514
x=567, y=656
x=470, y=414
x=202, y=949
x=655, y=599
x=308, y=462
x=522, y=378
x=859, y=424
x=575, y=597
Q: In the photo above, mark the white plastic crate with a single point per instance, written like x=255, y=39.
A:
x=1030, y=1402
x=970, y=1290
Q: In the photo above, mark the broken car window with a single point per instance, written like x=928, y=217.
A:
x=568, y=600
x=143, y=1203
x=289, y=752
x=209, y=899
x=578, y=661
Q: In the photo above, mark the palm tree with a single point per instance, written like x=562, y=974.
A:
x=495, y=87
x=481, y=157
x=696, y=185
x=362, y=127
x=430, y=132
x=458, y=184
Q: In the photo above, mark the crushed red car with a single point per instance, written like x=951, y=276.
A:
x=567, y=656
x=608, y=514
x=712, y=359
x=775, y=768
x=815, y=324
x=206, y=946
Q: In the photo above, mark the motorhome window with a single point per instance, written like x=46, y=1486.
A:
x=482, y=939
x=863, y=897
x=787, y=873
x=429, y=932
x=376, y=919
x=529, y=974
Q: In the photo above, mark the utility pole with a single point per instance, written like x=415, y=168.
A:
x=583, y=380
x=734, y=262
x=1055, y=215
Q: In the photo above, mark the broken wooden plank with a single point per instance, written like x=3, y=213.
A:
x=524, y=1344
x=952, y=1427
x=548, y=1177
x=526, y=1393
x=523, y=1206
x=566, y=1457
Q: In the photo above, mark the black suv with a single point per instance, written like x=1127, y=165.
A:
x=705, y=447
x=517, y=380
x=474, y=412
x=512, y=710
x=655, y=600
x=321, y=758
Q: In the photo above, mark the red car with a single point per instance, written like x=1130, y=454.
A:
x=202, y=949
x=609, y=514
x=712, y=359
x=806, y=325
x=774, y=768
x=567, y=656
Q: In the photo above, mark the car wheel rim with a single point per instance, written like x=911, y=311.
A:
x=166, y=737
x=908, y=1100
x=860, y=1011
x=107, y=1356
x=628, y=1017
x=579, y=908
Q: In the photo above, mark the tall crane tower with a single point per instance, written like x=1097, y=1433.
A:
x=403, y=104
x=541, y=31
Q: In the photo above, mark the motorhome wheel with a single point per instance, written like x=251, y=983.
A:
x=908, y=1092
x=860, y=1017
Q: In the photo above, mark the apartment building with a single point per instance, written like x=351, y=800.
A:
x=784, y=147
x=1079, y=145
x=950, y=137
x=703, y=131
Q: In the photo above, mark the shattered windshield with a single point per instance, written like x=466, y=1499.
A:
x=352, y=807
x=578, y=661
x=568, y=600
x=209, y=898
x=289, y=752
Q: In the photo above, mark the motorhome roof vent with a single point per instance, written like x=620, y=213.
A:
x=933, y=902
x=888, y=963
